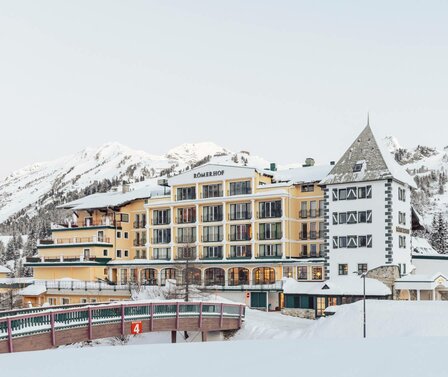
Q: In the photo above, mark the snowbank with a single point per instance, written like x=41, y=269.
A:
x=385, y=319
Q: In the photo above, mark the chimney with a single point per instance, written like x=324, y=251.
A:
x=126, y=187
x=308, y=162
x=273, y=166
x=332, y=163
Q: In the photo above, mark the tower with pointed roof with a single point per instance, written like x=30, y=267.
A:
x=367, y=210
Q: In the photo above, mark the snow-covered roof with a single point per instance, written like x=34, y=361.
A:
x=303, y=174
x=340, y=286
x=377, y=163
x=421, y=278
x=113, y=198
x=4, y=270
x=33, y=290
x=421, y=246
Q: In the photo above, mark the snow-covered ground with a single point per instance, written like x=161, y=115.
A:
x=405, y=338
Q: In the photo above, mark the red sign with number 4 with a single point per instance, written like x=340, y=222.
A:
x=136, y=327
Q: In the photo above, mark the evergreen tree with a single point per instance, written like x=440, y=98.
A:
x=439, y=234
x=2, y=253
x=10, y=250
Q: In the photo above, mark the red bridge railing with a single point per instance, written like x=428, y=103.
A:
x=53, y=320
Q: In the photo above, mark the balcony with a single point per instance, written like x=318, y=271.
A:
x=166, y=221
x=89, y=224
x=242, y=255
x=162, y=255
x=212, y=238
x=158, y=241
x=311, y=214
x=312, y=235
x=218, y=194
x=269, y=215
x=186, y=255
x=239, y=216
x=270, y=254
x=74, y=240
x=270, y=236
x=212, y=256
x=211, y=219
x=239, y=237
x=64, y=258
x=186, y=239
x=139, y=224
x=188, y=220
x=139, y=242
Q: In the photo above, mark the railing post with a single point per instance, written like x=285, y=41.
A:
x=122, y=319
x=151, y=319
x=177, y=315
x=10, y=345
x=200, y=315
x=53, y=334
x=221, y=319
x=89, y=311
x=240, y=319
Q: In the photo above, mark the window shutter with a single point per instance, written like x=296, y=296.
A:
x=369, y=241
x=335, y=195
x=352, y=218
x=369, y=192
x=369, y=216
x=335, y=242
x=335, y=218
x=351, y=193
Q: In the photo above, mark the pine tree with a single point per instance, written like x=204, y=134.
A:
x=439, y=234
x=10, y=250
x=2, y=254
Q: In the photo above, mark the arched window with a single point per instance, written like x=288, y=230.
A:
x=214, y=276
x=264, y=275
x=238, y=276
x=167, y=274
x=148, y=276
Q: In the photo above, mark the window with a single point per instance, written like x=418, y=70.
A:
x=362, y=268
x=162, y=253
x=212, y=252
x=313, y=250
x=342, y=218
x=105, y=253
x=186, y=215
x=186, y=193
x=162, y=235
x=302, y=273
x=270, y=231
x=126, y=253
x=241, y=232
x=351, y=193
x=352, y=242
x=240, y=251
x=272, y=250
x=118, y=234
x=402, y=242
x=362, y=241
x=401, y=194
x=240, y=211
x=343, y=269
x=212, y=213
x=118, y=253
x=212, y=234
x=93, y=300
x=362, y=217
x=186, y=235
x=83, y=301
x=317, y=273
x=287, y=271
x=212, y=191
x=124, y=217
x=357, y=167
x=52, y=301
x=402, y=218
x=307, y=188
x=304, y=252
x=402, y=268
x=335, y=195
x=161, y=217
x=352, y=217
x=240, y=188
x=342, y=242
x=342, y=194
x=65, y=301
x=270, y=209
x=126, y=235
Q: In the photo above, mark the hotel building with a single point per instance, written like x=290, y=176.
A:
x=242, y=230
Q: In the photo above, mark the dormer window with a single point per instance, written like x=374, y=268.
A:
x=358, y=167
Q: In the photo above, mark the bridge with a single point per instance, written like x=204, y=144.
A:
x=45, y=328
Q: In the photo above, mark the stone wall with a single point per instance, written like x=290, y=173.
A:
x=301, y=313
x=385, y=274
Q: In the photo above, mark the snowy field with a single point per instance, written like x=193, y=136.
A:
x=404, y=338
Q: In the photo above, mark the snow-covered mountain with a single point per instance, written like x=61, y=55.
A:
x=26, y=191
x=429, y=167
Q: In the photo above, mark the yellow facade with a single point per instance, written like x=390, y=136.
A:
x=244, y=230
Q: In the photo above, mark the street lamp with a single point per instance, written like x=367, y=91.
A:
x=363, y=275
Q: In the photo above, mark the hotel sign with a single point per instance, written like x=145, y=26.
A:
x=213, y=173
x=402, y=230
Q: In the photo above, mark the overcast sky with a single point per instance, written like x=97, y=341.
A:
x=282, y=79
